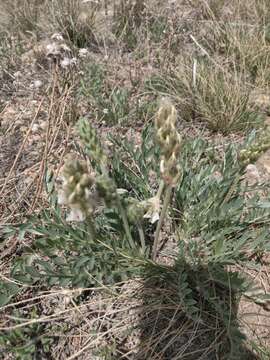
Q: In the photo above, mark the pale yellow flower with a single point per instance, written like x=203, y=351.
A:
x=152, y=206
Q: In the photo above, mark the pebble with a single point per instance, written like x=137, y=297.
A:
x=17, y=74
x=37, y=84
x=252, y=174
x=57, y=36
x=43, y=125
x=83, y=53
x=35, y=128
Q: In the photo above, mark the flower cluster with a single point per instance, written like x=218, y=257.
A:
x=169, y=141
x=75, y=191
x=147, y=209
x=81, y=191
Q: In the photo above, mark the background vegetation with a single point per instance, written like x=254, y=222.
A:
x=134, y=179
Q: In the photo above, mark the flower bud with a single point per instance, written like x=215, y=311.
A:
x=106, y=189
x=91, y=142
x=135, y=210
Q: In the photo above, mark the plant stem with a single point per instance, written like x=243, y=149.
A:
x=142, y=238
x=160, y=189
x=104, y=171
x=91, y=226
x=125, y=223
x=161, y=219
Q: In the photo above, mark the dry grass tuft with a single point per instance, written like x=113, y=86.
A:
x=49, y=135
x=75, y=20
x=209, y=93
x=23, y=16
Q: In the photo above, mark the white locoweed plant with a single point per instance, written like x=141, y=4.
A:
x=169, y=141
x=81, y=191
x=76, y=189
x=109, y=231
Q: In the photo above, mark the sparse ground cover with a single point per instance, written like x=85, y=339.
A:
x=134, y=179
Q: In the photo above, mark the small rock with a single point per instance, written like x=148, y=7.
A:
x=83, y=53
x=43, y=125
x=66, y=301
x=24, y=129
x=36, y=138
x=252, y=174
x=267, y=121
x=66, y=62
x=17, y=74
x=217, y=175
x=35, y=128
x=264, y=162
x=18, y=122
x=57, y=36
x=37, y=84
